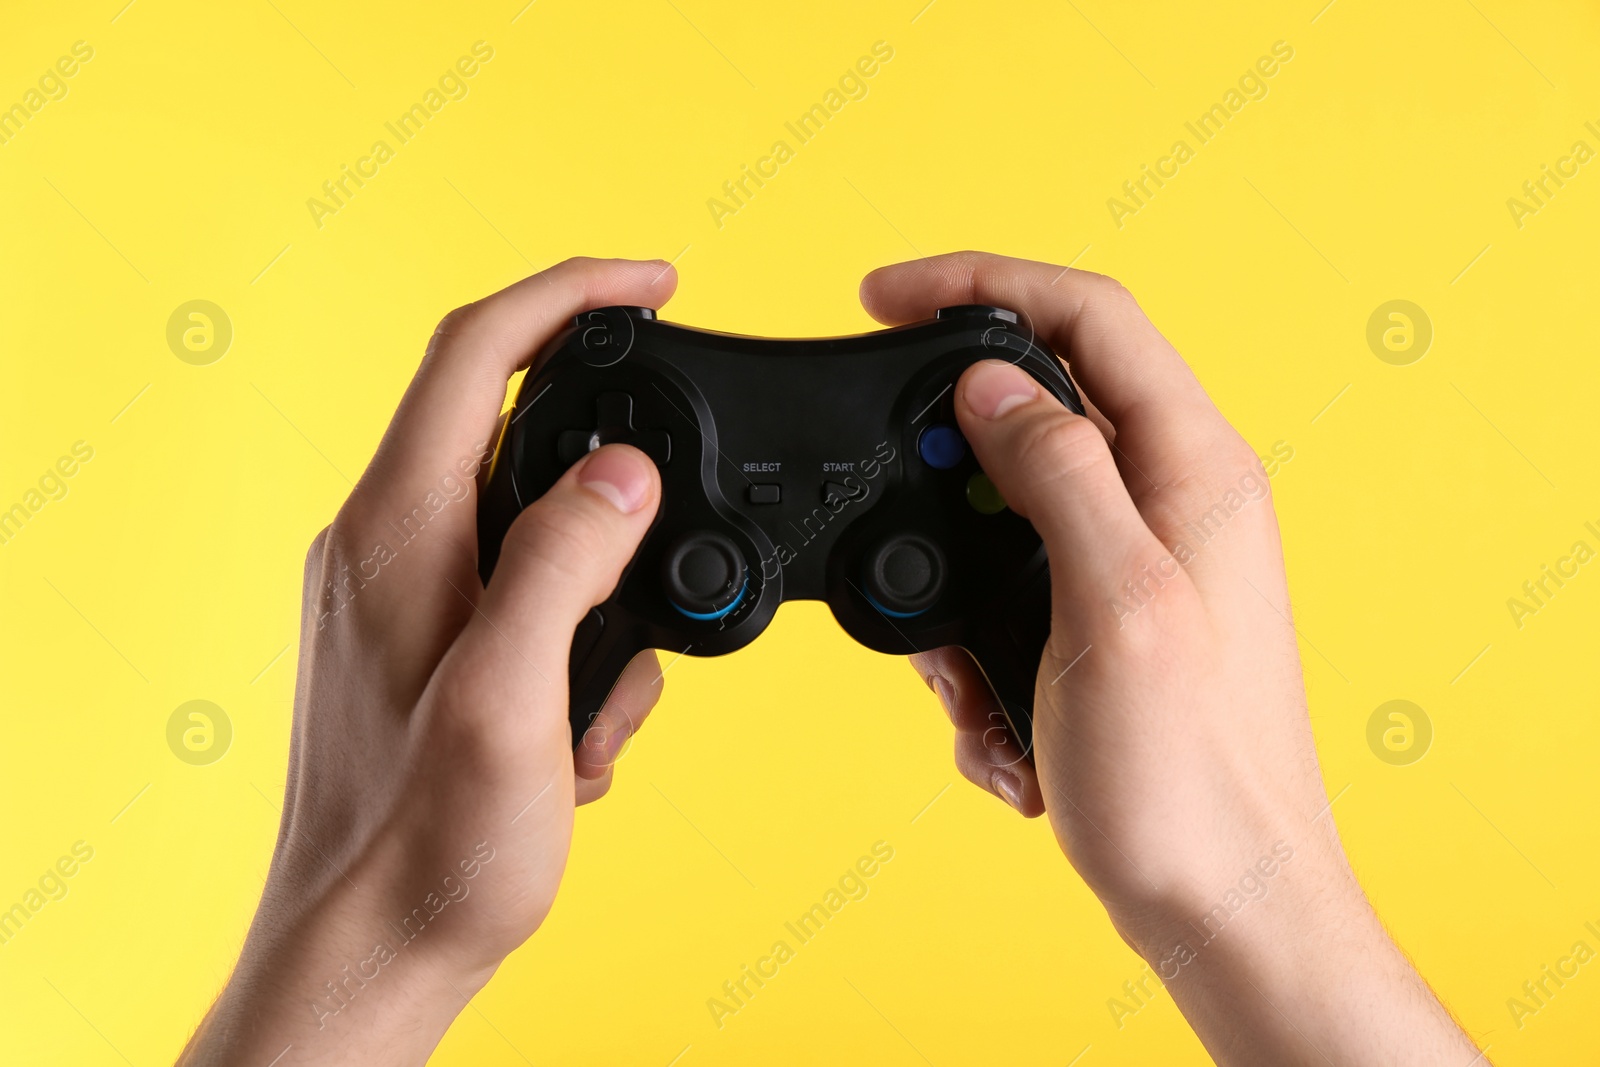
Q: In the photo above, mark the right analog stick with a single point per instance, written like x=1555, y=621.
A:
x=704, y=575
x=904, y=575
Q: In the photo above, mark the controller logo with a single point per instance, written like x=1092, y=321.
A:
x=603, y=346
x=1399, y=333
x=1399, y=733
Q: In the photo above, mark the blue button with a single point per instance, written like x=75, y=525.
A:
x=941, y=446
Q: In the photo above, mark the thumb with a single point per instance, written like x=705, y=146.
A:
x=1055, y=468
x=563, y=555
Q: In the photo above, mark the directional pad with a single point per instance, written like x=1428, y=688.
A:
x=613, y=424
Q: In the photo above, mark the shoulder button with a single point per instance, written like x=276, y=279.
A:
x=977, y=311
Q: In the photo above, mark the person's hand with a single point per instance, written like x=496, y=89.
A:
x=1173, y=751
x=431, y=783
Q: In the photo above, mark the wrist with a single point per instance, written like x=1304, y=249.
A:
x=1281, y=964
x=339, y=981
x=1265, y=901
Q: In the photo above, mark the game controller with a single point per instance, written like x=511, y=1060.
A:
x=817, y=469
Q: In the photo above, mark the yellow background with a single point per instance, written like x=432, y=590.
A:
x=1378, y=167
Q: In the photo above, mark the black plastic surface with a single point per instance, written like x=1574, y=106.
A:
x=801, y=459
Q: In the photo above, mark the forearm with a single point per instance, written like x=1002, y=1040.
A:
x=1305, y=974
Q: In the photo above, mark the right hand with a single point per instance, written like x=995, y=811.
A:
x=1173, y=750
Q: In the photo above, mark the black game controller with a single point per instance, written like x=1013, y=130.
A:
x=820, y=469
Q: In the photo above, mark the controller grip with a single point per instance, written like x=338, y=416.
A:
x=600, y=653
x=1013, y=676
x=1008, y=651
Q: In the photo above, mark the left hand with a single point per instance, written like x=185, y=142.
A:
x=429, y=802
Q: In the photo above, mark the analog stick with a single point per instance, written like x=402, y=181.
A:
x=703, y=574
x=904, y=575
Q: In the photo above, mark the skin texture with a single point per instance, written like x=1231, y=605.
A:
x=429, y=800
x=1173, y=749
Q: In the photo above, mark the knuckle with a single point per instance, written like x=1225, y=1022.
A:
x=590, y=790
x=315, y=555
x=455, y=323
x=1108, y=290
x=980, y=271
x=1110, y=304
x=1064, y=445
x=480, y=724
x=1119, y=296
x=453, y=320
x=1232, y=450
x=969, y=762
x=979, y=757
x=312, y=579
x=556, y=535
x=333, y=554
x=342, y=539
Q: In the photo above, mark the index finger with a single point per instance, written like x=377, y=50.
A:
x=1165, y=423
x=449, y=412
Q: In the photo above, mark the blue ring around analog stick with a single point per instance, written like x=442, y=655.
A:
x=713, y=616
x=892, y=614
x=941, y=446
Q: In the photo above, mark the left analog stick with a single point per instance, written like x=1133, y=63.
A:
x=704, y=575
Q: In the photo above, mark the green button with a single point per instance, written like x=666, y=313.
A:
x=983, y=496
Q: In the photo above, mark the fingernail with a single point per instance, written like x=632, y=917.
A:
x=995, y=387
x=618, y=475
x=946, y=694
x=1009, y=787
